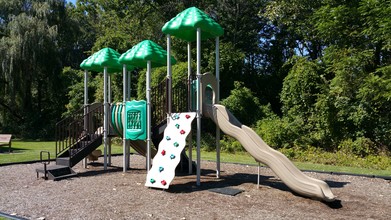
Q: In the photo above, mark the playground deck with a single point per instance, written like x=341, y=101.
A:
x=96, y=194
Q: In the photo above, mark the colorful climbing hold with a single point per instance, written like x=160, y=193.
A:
x=175, y=116
x=168, y=138
x=176, y=144
x=163, y=182
x=163, y=152
x=187, y=116
x=183, y=132
x=152, y=181
x=172, y=156
x=177, y=126
x=161, y=169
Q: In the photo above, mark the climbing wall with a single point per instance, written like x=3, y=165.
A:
x=169, y=154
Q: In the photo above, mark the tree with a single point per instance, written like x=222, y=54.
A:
x=29, y=65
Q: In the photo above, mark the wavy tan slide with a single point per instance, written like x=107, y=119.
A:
x=279, y=163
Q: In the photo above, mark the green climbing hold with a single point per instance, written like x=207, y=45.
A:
x=152, y=180
x=176, y=144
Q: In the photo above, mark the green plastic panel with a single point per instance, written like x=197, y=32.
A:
x=136, y=120
x=185, y=24
x=116, y=118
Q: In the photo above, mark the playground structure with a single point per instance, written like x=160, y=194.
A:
x=142, y=122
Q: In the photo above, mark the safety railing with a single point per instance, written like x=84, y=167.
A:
x=73, y=132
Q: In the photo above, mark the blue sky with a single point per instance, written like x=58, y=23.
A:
x=73, y=1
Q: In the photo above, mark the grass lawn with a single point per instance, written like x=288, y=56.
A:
x=24, y=151
x=27, y=151
x=245, y=158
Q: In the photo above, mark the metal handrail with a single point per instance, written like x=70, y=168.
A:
x=77, y=127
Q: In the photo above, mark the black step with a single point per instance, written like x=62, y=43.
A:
x=58, y=172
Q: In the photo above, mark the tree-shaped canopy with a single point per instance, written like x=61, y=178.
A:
x=185, y=24
x=146, y=50
x=105, y=57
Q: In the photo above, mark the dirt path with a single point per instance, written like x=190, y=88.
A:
x=96, y=194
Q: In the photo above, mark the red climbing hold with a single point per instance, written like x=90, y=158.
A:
x=163, y=182
x=183, y=131
x=163, y=152
x=187, y=116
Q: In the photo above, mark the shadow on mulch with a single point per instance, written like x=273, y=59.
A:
x=96, y=169
x=209, y=182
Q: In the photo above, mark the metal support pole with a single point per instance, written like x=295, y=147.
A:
x=258, y=175
x=125, y=161
x=189, y=106
x=109, y=118
x=105, y=118
x=85, y=110
x=148, y=115
x=198, y=113
x=128, y=96
x=169, y=78
x=217, y=100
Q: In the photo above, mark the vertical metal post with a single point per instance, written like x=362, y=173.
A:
x=258, y=175
x=105, y=121
x=217, y=100
x=85, y=109
x=198, y=112
x=169, y=78
x=148, y=115
x=128, y=95
x=109, y=118
x=189, y=105
x=124, y=144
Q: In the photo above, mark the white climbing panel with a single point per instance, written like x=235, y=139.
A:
x=169, y=153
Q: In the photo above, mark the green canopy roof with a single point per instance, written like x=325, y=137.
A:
x=105, y=57
x=146, y=50
x=185, y=24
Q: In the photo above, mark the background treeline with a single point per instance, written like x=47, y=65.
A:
x=302, y=73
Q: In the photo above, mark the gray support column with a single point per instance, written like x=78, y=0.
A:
x=105, y=118
x=128, y=96
x=198, y=114
x=217, y=100
x=125, y=149
x=109, y=118
x=169, y=77
x=85, y=109
x=148, y=115
x=189, y=106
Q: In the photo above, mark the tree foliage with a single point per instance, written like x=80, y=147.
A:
x=313, y=73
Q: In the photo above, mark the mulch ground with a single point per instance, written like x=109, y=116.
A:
x=112, y=194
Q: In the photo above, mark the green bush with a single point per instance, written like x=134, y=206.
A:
x=361, y=147
x=244, y=105
x=230, y=145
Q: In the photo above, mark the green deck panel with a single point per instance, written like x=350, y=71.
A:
x=184, y=25
x=146, y=50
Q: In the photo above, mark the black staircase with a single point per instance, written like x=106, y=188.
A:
x=76, y=137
